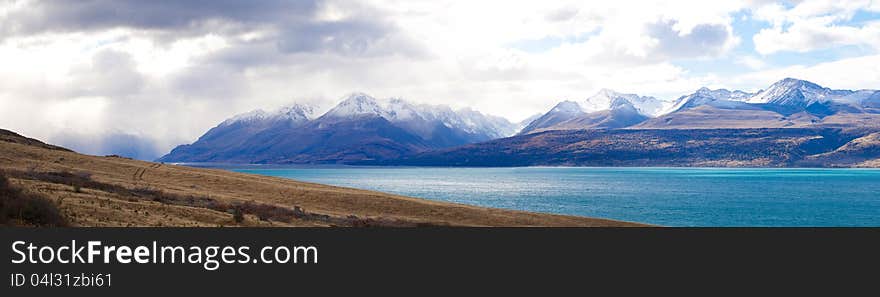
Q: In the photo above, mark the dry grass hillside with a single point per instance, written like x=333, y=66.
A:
x=114, y=191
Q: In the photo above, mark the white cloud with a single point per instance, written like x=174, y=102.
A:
x=752, y=62
x=851, y=73
x=812, y=25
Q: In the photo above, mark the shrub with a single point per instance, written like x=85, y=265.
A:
x=18, y=207
x=237, y=214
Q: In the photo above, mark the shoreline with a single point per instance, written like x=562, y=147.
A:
x=344, y=166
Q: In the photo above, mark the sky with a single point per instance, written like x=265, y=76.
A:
x=138, y=78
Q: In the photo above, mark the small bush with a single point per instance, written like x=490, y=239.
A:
x=238, y=214
x=18, y=207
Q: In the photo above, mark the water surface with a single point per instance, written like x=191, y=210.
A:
x=664, y=196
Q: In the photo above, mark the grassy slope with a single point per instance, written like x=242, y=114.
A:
x=93, y=207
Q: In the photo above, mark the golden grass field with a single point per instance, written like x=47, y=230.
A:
x=136, y=193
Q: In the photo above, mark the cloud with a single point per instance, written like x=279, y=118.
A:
x=126, y=145
x=703, y=40
x=562, y=14
x=850, y=73
x=33, y=17
x=110, y=73
x=296, y=26
x=813, y=25
x=752, y=62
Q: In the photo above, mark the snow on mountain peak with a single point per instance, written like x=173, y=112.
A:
x=417, y=117
x=356, y=104
x=796, y=92
x=567, y=107
x=621, y=103
x=397, y=109
x=705, y=96
x=296, y=111
x=254, y=115
x=604, y=99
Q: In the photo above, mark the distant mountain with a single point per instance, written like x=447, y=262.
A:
x=764, y=147
x=721, y=98
x=605, y=110
x=795, y=92
x=791, y=123
x=562, y=112
x=360, y=127
x=230, y=138
x=604, y=99
x=788, y=103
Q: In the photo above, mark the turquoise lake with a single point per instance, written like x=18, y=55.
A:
x=662, y=196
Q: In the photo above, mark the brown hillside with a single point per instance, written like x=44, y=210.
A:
x=113, y=191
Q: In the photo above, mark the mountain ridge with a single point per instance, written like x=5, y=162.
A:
x=363, y=129
x=358, y=127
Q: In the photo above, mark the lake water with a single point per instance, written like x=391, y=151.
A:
x=663, y=196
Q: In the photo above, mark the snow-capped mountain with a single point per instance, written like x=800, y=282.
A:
x=360, y=127
x=598, y=111
x=788, y=103
x=602, y=100
x=562, y=112
x=704, y=96
x=796, y=92
x=620, y=112
x=355, y=105
x=421, y=118
x=225, y=140
x=296, y=112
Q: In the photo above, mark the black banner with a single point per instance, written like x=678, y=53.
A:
x=434, y=260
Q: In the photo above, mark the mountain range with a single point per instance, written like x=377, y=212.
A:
x=788, y=103
x=791, y=123
x=360, y=127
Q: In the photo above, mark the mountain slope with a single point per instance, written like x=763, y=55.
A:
x=622, y=114
x=562, y=112
x=604, y=110
x=229, y=138
x=856, y=152
x=333, y=140
x=632, y=147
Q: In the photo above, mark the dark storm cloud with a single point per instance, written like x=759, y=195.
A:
x=351, y=37
x=71, y=16
x=126, y=145
x=291, y=26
